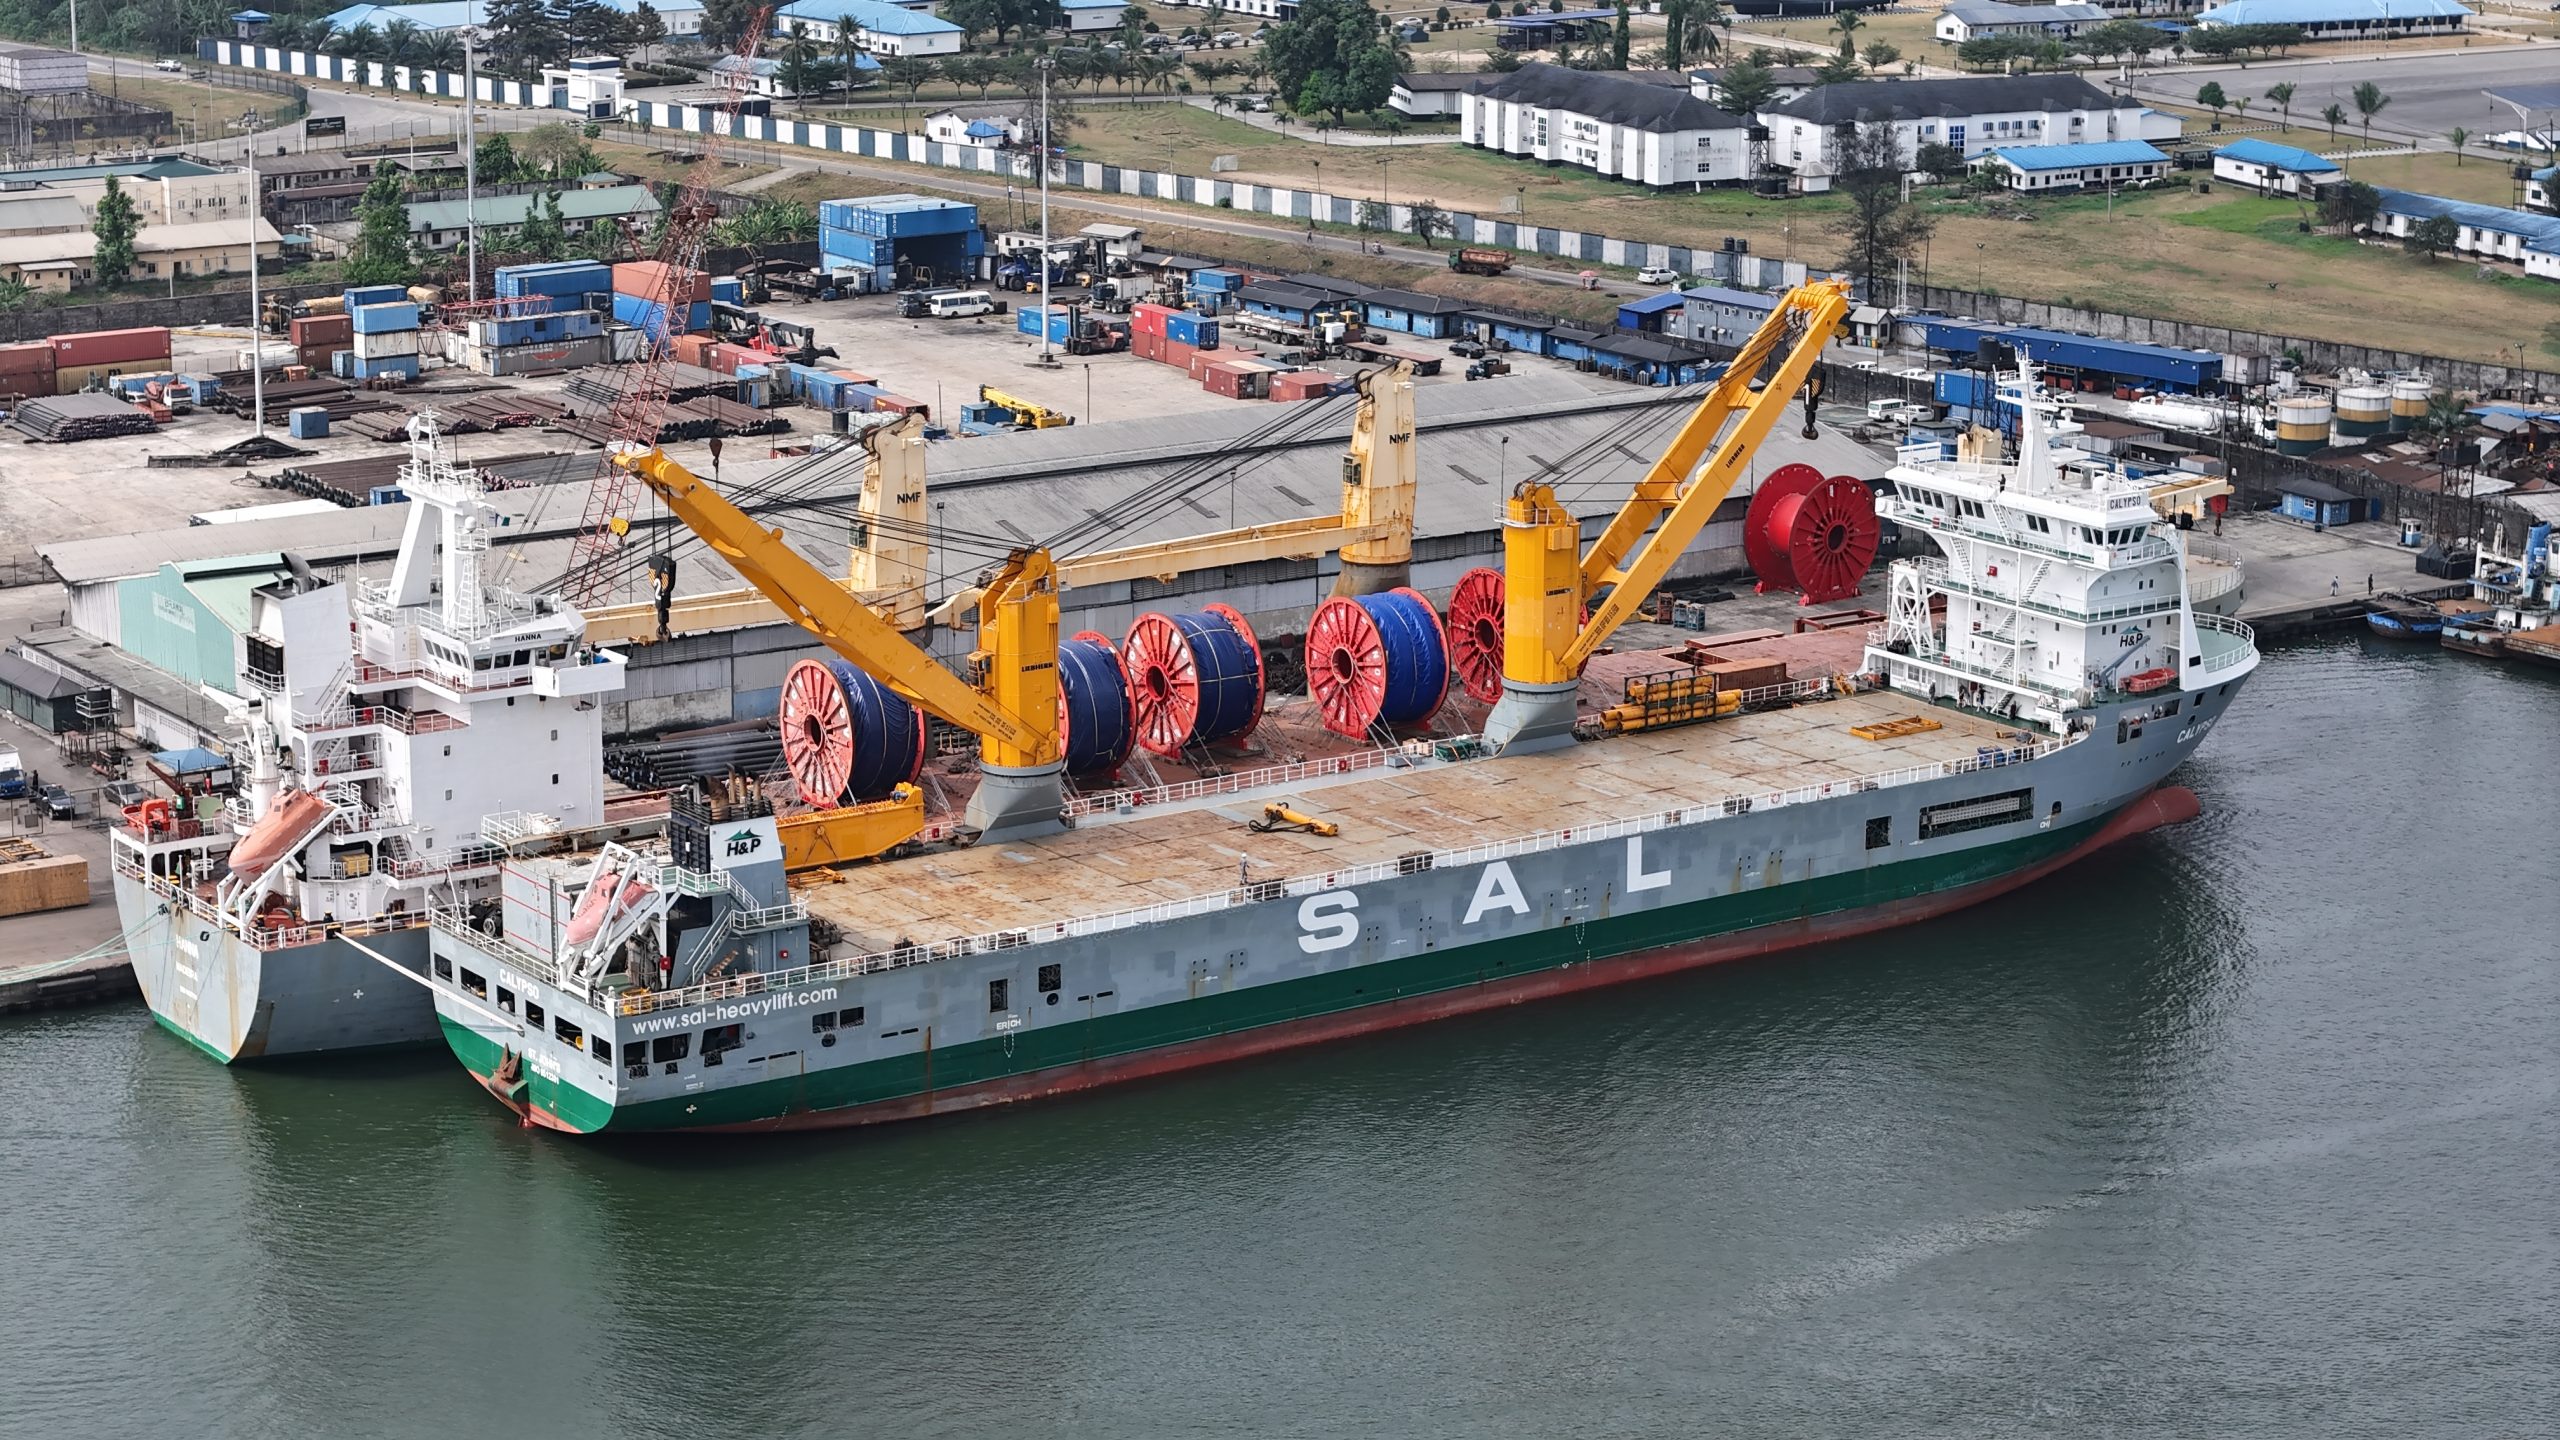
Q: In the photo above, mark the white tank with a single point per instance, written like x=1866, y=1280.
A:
x=2175, y=416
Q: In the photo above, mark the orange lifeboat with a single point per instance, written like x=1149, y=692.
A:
x=611, y=894
x=287, y=826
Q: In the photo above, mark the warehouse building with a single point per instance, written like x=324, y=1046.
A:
x=1964, y=20
x=876, y=25
x=2084, y=362
x=2050, y=169
x=2274, y=169
x=1640, y=126
x=441, y=224
x=2344, y=19
x=2484, y=232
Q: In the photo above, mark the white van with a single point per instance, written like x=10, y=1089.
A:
x=171, y=67
x=960, y=304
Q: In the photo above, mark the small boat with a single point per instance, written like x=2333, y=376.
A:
x=2398, y=617
x=2474, y=635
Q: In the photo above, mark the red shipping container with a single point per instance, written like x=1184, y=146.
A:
x=1144, y=345
x=35, y=357
x=648, y=277
x=857, y=379
x=900, y=405
x=1224, y=380
x=726, y=359
x=111, y=347
x=309, y=330
x=317, y=356
x=1148, y=319
x=1178, y=354
x=692, y=350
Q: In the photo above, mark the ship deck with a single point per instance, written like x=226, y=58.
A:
x=1180, y=851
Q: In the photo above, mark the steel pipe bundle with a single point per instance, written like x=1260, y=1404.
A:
x=1194, y=679
x=1376, y=660
x=846, y=737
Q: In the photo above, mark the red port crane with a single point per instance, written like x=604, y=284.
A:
x=639, y=408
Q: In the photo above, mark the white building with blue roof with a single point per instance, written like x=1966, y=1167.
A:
x=2344, y=19
x=682, y=17
x=877, y=26
x=2274, y=169
x=1088, y=15
x=2046, y=169
x=2485, y=232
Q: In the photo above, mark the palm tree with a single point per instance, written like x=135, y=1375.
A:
x=2460, y=137
x=2242, y=106
x=440, y=50
x=2336, y=115
x=1848, y=23
x=798, y=52
x=848, y=54
x=2281, y=97
x=2369, y=102
x=400, y=40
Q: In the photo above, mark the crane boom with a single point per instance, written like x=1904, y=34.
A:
x=640, y=406
x=1548, y=581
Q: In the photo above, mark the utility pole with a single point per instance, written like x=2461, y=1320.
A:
x=471, y=160
x=1048, y=292
x=257, y=331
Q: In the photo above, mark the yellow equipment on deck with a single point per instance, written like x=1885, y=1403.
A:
x=1549, y=581
x=1026, y=414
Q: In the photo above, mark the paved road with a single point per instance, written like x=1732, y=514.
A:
x=2430, y=94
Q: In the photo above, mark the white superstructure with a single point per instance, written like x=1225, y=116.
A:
x=2062, y=586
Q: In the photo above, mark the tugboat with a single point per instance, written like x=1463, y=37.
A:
x=2510, y=595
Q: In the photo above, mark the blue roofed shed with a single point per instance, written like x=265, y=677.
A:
x=2075, y=167
x=2343, y=19
x=2152, y=366
x=1713, y=312
x=1652, y=313
x=2275, y=169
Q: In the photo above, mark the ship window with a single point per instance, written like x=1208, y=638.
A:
x=1051, y=980
x=601, y=1047
x=720, y=1040
x=506, y=999
x=569, y=1031
x=533, y=1015
x=635, y=1052
x=444, y=968
x=1962, y=815
x=475, y=984
x=997, y=991
x=822, y=1022
x=849, y=1018
x=1879, y=832
x=671, y=1048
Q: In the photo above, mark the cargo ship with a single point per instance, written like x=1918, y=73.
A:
x=1508, y=808
x=401, y=738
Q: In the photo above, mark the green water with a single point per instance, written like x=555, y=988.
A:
x=2244, y=1128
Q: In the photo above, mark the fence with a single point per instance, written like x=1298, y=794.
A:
x=211, y=307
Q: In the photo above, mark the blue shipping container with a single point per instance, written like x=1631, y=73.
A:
x=384, y=319
x=309, y=422
x=404, y=367
x=564, y=280
x=728, y=289
x=374, y=295
x=649, y=318
x=1219, y=280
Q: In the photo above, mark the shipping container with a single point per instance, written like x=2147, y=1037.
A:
x=856, y=376
x=1146, y=346
x=319, y=357
x=725, y=358
x=1149, y=318
x=645, y=314
x=308, y=422
x=386, y=345
x=565, y=281
x=361, y=295
x=901, y=405
x=1177, y=354
x=148, y=345
x=648, y=278
x=692, y=350
x=728, y=289
x=310, y=330
x=402, y=367
x=1220, y=281
x=383, y=319
x=555, y=355
x=624, y=345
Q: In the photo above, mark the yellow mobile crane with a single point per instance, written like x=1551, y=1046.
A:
x=1025, y=414
x=1547, y=580
x=1010, y=701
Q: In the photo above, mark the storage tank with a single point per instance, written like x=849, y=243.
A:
x=2409, y=396
x=2364, y=410
x=2302, y=424
x=2197, y=419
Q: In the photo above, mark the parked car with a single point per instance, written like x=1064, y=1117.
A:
x=120, y=793
x=1467, y=349
x=171, y=67
x=1261, y=105
x=1657, y=275
x=59, y=803
x=1228, y=39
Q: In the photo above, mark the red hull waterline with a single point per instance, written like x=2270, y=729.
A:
x=2167, y=805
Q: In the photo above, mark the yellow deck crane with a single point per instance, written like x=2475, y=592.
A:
x=1548, y=580
x=889, y=561
x=1010, y=701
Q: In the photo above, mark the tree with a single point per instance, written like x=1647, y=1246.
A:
x=2336, y=115
x=2240, y=107
x=380, y=254
x=799, y=57
x=544, y=234
x=1938, y=158
x=494, y=161
x=2460, y=137
x=556, y=152
x=2281, y=97
x=1880, y=53
x=972, y=72
x=1748, y=85
x=399, y=40
x=1848, y=23
x=2211, y=97
x=2354, y=203
x=2369, y=101
x=1621, y=39
x=115, y=227
x=910, y=73
x=14, y=294
x=1426, y=219
x=1839, y=69
x=1330, y=60
x=2431, y=237
x=724, y=22
x=1675, y=33
x=1375, y=215
x=849, y=56
x=1503, y=62
x=648, y=29
x=1879, y=225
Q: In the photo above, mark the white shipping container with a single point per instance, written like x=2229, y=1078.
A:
x=270, y=356
x=387, y=345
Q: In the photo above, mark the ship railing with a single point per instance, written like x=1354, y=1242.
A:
x=269, y=681
x=455, y=921
x=276, y=937
x=2211, y=581
x=439, y=862
x=389, y=717
x=2224, y=657
x=1936, y=573
x=1239, y=781
x=638, y=1002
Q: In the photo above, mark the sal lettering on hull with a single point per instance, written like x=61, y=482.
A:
x=1330, y=921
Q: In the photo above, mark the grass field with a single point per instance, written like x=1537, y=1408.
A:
x=1912, y=31
x=208, y=107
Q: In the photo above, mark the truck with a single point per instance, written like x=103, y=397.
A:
x=1471, y=261
x=13, y=775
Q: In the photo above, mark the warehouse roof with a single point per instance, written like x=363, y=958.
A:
x=2540, y=232
x=2328, y=12
x=1739, y=299
x=877, y=16
x=20, y=673
x=1992, y=12
x=2081, y=157
x=1655, y=104
x=2312, y=489
x=1415, y=302
x=503, y=210
x=2274, y=156
x=1654, y=304
x=124, y=169
x=28, y=251
x=1856, y=100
